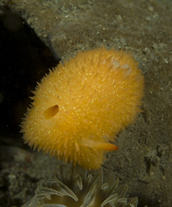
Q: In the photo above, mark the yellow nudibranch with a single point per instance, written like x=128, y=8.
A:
x=82, y=104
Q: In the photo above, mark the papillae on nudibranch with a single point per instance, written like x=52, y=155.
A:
x=81, y=105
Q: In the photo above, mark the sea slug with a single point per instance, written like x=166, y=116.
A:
x=82, y=104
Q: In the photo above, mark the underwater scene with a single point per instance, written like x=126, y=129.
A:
x=85, y=103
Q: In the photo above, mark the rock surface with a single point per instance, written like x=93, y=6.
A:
x=142, y=28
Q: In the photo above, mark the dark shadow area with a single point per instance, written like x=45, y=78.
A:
x=24, y=59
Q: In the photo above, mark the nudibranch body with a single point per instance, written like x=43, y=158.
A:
x=82, y=104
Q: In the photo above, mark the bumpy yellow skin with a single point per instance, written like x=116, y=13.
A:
x=82, y=104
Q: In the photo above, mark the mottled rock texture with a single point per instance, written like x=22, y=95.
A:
x=142, y=28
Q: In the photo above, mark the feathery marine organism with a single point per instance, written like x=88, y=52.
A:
x=82, y=104
x=81, y=189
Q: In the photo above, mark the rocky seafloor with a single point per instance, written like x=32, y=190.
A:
x=35, y=35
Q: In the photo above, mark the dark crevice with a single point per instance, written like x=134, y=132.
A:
x=24, y=59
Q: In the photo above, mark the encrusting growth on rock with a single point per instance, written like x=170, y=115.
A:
x=82, y=104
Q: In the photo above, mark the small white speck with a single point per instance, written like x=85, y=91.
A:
x=166, y=60
x=127, y=68
x=115, y=63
